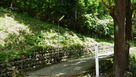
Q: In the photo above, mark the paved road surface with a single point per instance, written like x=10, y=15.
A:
x=72, y=67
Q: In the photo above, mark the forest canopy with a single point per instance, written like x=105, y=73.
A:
x=85, y=16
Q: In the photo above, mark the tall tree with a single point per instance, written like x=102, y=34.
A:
x=122, y=15
x=119, y=15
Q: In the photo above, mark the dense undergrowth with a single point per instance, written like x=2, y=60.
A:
x=106, y=67
x=132, y=65
x=20, y=33
x=82, y=16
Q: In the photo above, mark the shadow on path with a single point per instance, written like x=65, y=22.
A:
x=72, y=67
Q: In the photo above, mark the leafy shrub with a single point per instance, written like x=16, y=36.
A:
x=105, y=68
x=96, y=27
x=1, y=46
x=132, y=64
x=6, y=56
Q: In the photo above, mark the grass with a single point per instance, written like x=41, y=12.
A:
x=20, y=33
x=31, y=31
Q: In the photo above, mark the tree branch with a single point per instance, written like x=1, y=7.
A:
x=107, y=6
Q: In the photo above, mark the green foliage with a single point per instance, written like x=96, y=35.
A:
x=134, y=29
x=21, y=34
x=133, y=6
x=6, y=56
x=132, y=65
x=80, y=15
x=1, y=46
x=133, y=1
x=96, y=27
x=105, y=66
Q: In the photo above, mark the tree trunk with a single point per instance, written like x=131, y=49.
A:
x=119, y=14
x=128, y=29
x=122, y=16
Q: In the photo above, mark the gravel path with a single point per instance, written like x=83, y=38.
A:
x=72, y=67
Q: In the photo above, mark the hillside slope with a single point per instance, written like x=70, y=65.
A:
x=20, y=33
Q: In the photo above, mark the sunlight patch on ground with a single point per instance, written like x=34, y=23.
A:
x=22, y=31
x=9, y=26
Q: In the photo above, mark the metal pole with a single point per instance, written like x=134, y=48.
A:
x=59, y=35
x=58, y=39
x=96, y=60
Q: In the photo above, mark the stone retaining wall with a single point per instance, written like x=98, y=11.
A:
x=41, y=57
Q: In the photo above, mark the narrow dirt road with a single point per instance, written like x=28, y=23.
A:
x=72, y=67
